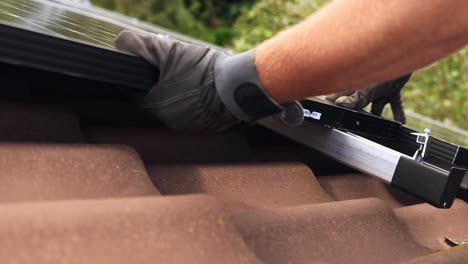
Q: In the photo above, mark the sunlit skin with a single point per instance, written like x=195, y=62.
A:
x=351, y=44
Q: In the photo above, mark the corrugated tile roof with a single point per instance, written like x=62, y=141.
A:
x=92, y=192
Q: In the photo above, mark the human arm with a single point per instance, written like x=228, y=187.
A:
x=351, y=44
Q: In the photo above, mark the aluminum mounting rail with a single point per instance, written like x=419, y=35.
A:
x=432, y=184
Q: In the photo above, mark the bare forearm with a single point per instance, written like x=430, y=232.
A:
x=353, y=43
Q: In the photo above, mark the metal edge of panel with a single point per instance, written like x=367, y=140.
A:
x=44, y=52
x=348, y=119
x=352, y=150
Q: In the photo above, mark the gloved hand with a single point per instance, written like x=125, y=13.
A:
x=379, y=95
x=201, y=89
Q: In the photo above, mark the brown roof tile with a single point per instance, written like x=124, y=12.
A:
x=429, y=226
x=355, y=231
x=71, y=171
x=184, y=229
x=256, y=185
x=224, y=200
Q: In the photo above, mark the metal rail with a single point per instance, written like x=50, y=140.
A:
x=352, y=150
x=432, y=184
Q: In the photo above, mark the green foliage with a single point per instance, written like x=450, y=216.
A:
x=267, y=17
x=441, y=90
x=219, y=16
x=438, y=92
x=167, y=13
x=203, y=19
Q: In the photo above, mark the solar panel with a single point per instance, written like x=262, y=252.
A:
x=55, y=37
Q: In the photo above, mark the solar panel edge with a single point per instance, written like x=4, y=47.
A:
x=122, y=69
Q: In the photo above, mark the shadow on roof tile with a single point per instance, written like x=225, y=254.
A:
x=38, y=123
x=161, y=146
x=255, y=185
x=356, y=186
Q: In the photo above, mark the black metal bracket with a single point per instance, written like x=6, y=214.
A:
x=433, y=185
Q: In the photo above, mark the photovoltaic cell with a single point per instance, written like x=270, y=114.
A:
x=58, y=21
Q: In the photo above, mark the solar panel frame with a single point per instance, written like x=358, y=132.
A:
x=39, y=49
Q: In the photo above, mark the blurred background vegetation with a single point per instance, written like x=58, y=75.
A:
x=438, y=92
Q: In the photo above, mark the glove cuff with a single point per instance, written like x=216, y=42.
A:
x=240, y=89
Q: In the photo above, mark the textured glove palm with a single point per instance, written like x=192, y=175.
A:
x=183, y=98
x=195, y=91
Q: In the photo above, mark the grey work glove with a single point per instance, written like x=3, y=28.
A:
x=201, y=89
x=379, y=95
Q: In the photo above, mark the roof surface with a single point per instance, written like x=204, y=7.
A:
x=79, y=191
